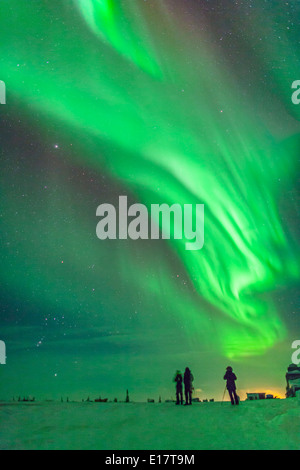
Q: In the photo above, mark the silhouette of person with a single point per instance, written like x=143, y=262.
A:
x=231, y=378
x=188, y=386
x=178, y=380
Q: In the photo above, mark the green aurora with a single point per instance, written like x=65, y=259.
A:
x=168, y=102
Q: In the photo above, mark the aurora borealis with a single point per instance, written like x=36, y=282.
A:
x=164, y=101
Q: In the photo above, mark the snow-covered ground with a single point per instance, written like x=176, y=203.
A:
x=264, y=424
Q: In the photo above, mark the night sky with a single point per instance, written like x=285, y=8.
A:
x=164, y=101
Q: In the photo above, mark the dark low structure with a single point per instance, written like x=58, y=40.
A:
x=292, y=380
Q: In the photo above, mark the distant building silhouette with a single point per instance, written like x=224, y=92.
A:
x=256, y=396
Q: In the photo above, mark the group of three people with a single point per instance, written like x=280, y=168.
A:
x=188, y=378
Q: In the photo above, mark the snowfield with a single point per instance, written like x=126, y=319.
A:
x=263, y=424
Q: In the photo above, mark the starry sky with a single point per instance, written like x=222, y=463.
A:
x=169, y=101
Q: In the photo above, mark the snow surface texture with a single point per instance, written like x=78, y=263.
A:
x=263, y=424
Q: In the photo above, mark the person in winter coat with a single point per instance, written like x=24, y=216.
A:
x=178, y=380
x=188, y=386
x=230, y=385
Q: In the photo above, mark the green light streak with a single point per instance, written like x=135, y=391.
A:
x=108, y=21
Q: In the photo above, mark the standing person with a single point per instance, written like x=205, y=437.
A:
x=230, y=385
x=178, y=380
x=188, y=386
